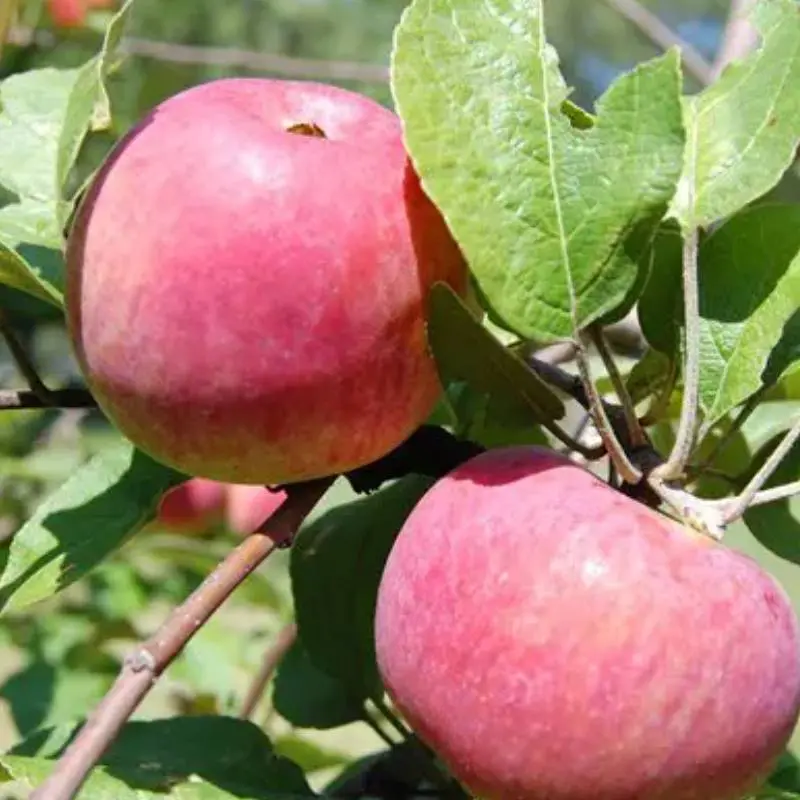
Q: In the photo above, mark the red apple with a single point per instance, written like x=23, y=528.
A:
x=247, y=279
x=552, y=639
x=192, y=507
x=67, y=13
x=247, y=507
x=72, y=13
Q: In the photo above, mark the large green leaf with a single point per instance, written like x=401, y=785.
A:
x=541, y=208
x=189, y=758
x=466, y=351
x=744, y=129
x=310, y=698
x=45, y=115
x=81, y=523
x=749, y=290
x=336, y=565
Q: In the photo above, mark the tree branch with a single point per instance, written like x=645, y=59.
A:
x=272, y=658
x=11, y=399
x=253, y=61
x=739, y=39
x=143, y=667
x=635, y=432
x=662, y=35
x=736, y=508
x=23, y=361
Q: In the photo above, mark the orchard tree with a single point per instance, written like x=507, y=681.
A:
x=502, y=374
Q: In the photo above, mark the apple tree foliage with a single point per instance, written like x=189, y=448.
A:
x=570, y=219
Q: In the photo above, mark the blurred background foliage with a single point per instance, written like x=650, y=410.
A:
x=58, y=658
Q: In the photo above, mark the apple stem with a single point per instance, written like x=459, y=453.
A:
x=272, y=658
x=752, y=492
x=635, y=432
x=142, y=668
x=675, y=465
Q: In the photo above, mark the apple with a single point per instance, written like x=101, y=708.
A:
x=194, y=506
x=247, y=281
x=247, y=507
x=72, y=13
x=553, y=639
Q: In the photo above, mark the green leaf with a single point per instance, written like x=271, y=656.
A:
x=784, y=359
x=45, y=115
x=541, y=208
x=777, y=525
x=749, y=289
x=466, y=351
x=479, y=418
x=28, y=276
x=310, y=698
x=165, y=758
x=41, y=694
x=81, y=523
x=308, y=755
x=336, y=565
x=660, y=308
x=744, y=129
x=651, y=375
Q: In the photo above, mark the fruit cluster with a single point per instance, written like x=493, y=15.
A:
x=247, y=283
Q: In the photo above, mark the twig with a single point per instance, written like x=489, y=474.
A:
x=272, y=657
x=773, y=495
x=662, y=35
x=391, y=717
x=143, y=667
x=687, y=426
x=573, y=386
x=616, y=452
x=704, y=515
x=11, y=399
x=379, y=731
x=635, y=432
x=736, y=508
x=253, y=61
x=725, y=440
x=739, y=38
x=23, y=361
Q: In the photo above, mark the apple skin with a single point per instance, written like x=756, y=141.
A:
x=192, y=507
x=552, y=639
x=72, y=13
x=246, y=303
x=247, y=506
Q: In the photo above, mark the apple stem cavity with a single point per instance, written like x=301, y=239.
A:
x=306, y=129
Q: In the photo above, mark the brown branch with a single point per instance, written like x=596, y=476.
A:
x=272, y=657
x=143, y=667
x=662, y=35
x=739, y=39
x=11, y=399
x=23, y=361
x=254, y=61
